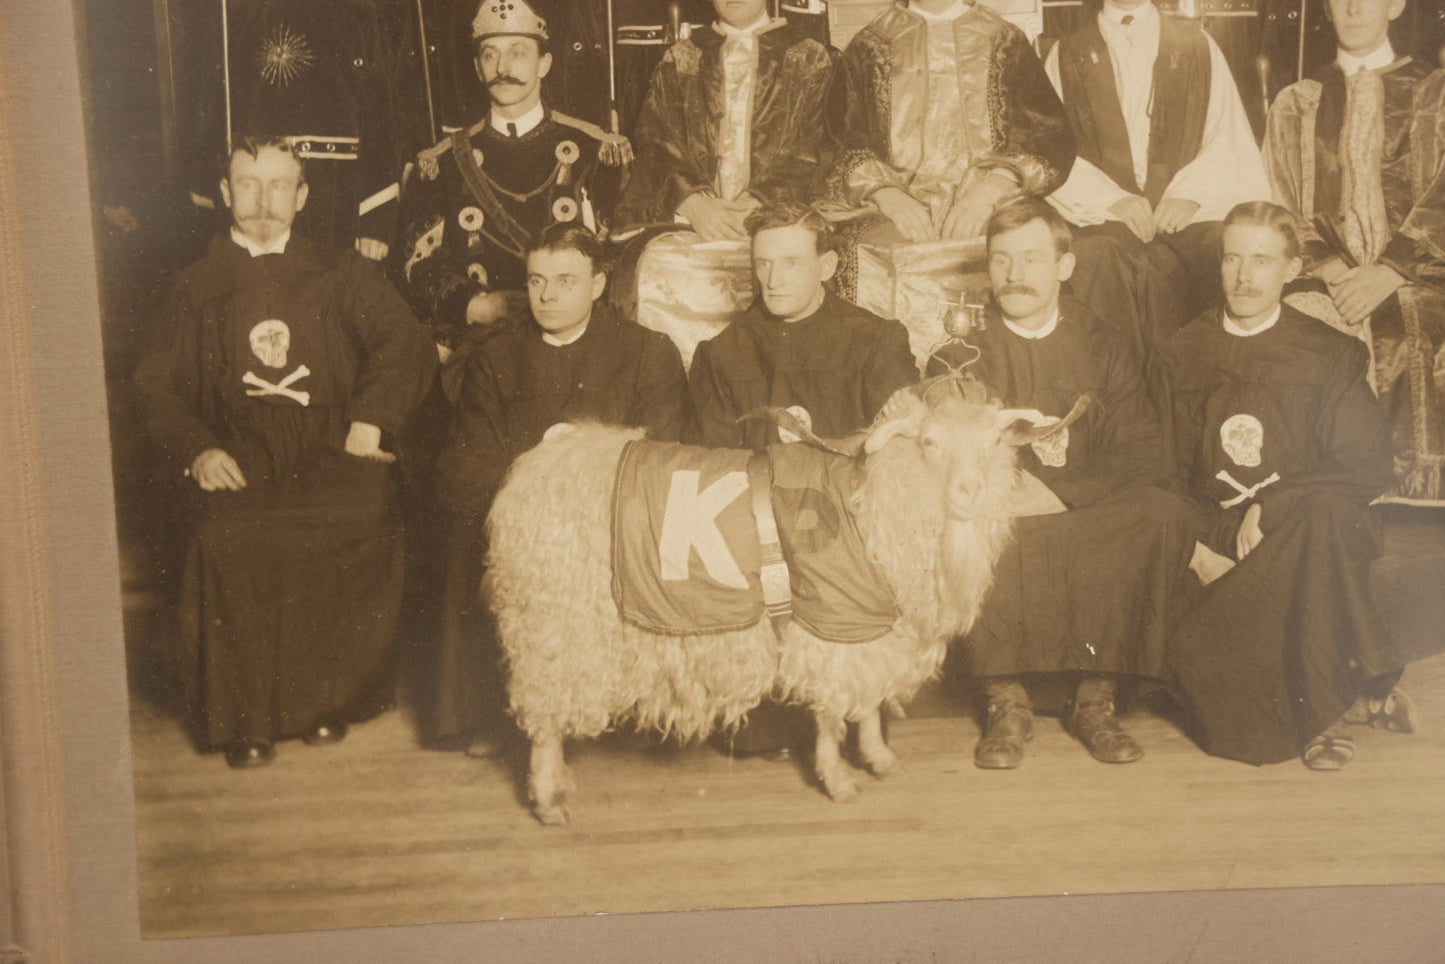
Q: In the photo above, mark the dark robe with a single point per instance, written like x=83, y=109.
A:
x=1092, y=588
x=1279, y=647
x=465, y=226
x=514, y=388
x=841, y=363
x=678, y=132
x=292, y=586
x=1304, y=159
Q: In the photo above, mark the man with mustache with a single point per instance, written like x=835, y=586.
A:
x=1082, y=596
x=1281, y=445
x=1358, y=152
x=479, y=196
x=276, y=382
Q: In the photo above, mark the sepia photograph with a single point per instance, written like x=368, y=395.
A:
x=591, y=458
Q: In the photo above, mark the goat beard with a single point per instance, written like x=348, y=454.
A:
x=967, y=552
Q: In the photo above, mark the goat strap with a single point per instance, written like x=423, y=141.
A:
x=774, y=576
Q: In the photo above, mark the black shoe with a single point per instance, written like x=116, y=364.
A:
x=244, y=754
x=1009, y=726
x=327, y=732
x=1096, y=726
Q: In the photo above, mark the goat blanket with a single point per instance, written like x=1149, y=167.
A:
x=685, y=547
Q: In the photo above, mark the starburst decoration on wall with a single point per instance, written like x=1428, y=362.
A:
x=284, y=55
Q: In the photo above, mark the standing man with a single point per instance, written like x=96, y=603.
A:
x=942, y=111
x=1165, y=150
x=272, y=380
x=570, y=358
x=1084, y=593
x=1281, y=446
x=480, y=195
x=733, y=120
x=1357, y=152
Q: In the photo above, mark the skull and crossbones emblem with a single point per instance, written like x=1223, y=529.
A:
x=1242, y=437
x=271, y=342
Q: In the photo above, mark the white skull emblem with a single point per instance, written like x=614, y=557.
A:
x=1243, y=439
x=270, y=341
x=1053, y=450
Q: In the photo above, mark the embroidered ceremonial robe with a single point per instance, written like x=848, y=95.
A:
x=841, y=364
x=479, y=196
x=1277, y=648
x=898, y=124
x=1306, y=155
x=1165, y=127
x=685, y=141
x=292, y=586
x=1089, y=589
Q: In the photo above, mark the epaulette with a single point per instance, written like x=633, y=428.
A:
x=614, y=150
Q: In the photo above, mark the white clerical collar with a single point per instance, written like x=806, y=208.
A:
x=1113, y=14
x=1234, y=328
x=1034, y=334
x=728, y=30
x=523, y=124
x=277, y=245
x=1377, y=59
x=958, y=9
x=556, y=342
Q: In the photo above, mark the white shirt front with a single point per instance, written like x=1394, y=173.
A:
x=277, y=245
x=1234, y=328
x=1377, y=59
x=524, y=124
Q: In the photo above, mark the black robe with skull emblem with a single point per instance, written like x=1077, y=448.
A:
x=292, y=586
x=1091, y=588
x=1277, y=648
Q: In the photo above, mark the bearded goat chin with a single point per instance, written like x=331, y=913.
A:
x=968, y=550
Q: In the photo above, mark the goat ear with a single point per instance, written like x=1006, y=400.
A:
x=905, y=426
x=1023, y=426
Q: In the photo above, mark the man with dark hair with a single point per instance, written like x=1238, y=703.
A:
x=1165, y=149
x=1082, y=594
x=479, y=195
x=1280, y=445
x=572, y=357
x=272, y=379
x=799, y=345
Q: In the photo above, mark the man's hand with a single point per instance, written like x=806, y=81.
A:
x=215, y=470
x=1360, y=291
x=488, y=306
x=908, y=215
x=715, y=219
x=1330, y=271
x=1208, y=565
x=363, y=440
x=1174, y=214
x=1249, y=534
x=970, y=213
x=372, y=249
x=1136, y=214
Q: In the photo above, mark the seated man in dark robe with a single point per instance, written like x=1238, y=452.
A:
x=1281, y=445
x=1082, y=593
x=804, y=348
x=571, y=358
x=1165, y=150
x=733, y=119
x=275, y=373
x=479, y=196
x=1357, y=151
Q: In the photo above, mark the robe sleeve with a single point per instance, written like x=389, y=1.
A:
x=1228, y=169
x=1087, y=194
x=1288, y=156
x=1354, y=443
x=477, y=452
x=860, y=166
x=398, y=358
x=170, y=379
x=1182, y=426
x=793, y=171
x=666, y=172
x=1417, y=250
x=713, y=409
x=1031, y=135
x=891, y=366
x=662, y=406
x=433, y=275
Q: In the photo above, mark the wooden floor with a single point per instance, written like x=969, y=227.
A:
x=375, y=831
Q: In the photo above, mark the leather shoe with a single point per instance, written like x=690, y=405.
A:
x=326, y=732
x=243, y=754
x=1095, y=724
x=1010, y=725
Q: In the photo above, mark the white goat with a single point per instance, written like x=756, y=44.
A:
x=934, y=510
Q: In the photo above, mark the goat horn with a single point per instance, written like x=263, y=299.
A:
x=1015, y=435
x=783, y=418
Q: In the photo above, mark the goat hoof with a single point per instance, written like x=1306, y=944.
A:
x=886, y=769
x=553, y=816
x=842, y=790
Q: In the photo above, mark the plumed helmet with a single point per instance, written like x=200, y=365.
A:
x=500, y=18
